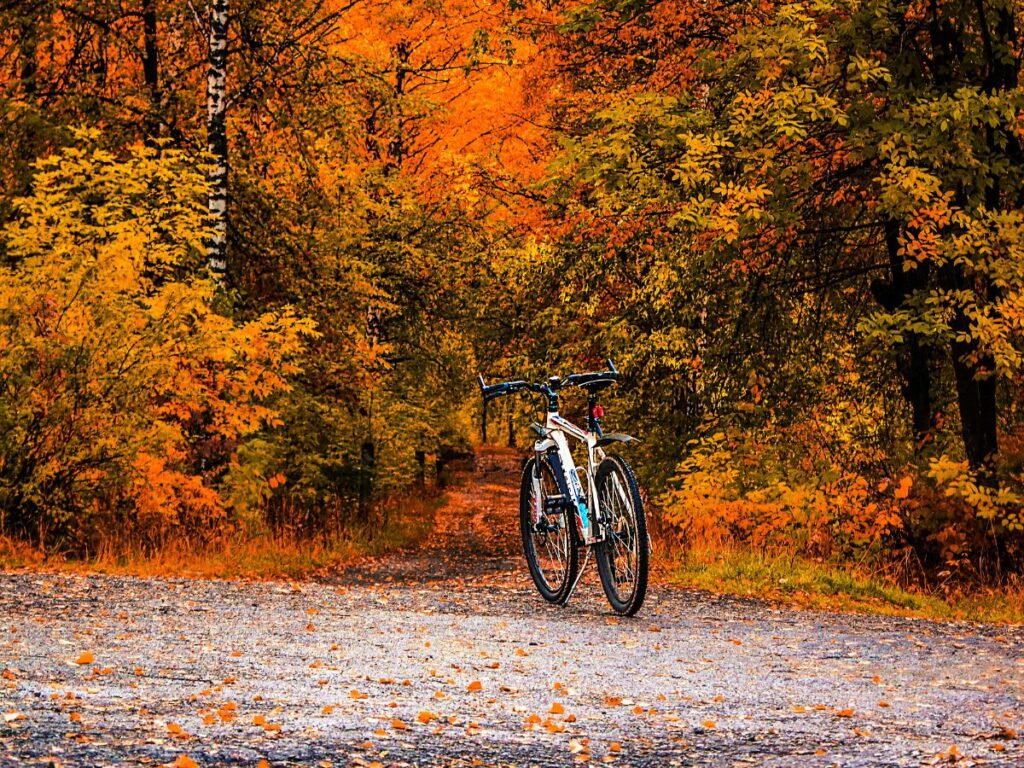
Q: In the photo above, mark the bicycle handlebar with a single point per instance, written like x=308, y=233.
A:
x=595, y=381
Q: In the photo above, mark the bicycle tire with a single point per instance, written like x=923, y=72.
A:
x=626, y=534
x=563, y=540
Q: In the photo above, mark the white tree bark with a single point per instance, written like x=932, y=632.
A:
x=217, y=135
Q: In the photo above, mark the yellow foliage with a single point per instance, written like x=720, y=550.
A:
x=794, y=487
x=126, y=391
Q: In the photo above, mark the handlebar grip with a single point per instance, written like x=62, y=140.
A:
x=495, y=390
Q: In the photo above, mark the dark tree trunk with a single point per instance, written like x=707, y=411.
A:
x=28, y=43
x=151, y=69
x=367, y=463
x=976, y=398
x=915, y=355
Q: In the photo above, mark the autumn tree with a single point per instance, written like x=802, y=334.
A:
x=111, y=354
x=772, y=209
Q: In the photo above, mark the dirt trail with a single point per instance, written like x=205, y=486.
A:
x=446, y=656
x=475, y=534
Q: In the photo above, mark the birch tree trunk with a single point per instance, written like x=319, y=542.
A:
x=217, y=136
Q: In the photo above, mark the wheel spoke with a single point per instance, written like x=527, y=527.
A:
x=550, y=545
x=622, y=547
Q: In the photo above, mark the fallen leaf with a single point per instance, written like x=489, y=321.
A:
x=177, y=731
x=398, y=725
x=557, y=709
x=709, y=724
x=426, y=717
x=85, y=657
x=184, y=761
x=474, y=686
x=844, y=713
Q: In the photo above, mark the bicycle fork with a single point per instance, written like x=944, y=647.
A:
x=567, y=477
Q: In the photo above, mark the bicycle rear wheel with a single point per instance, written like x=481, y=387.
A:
x=623, y=557
x=551, y=554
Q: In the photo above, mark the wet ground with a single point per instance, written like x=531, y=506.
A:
x=446, y=656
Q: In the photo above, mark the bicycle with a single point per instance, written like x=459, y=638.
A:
x=563, y=509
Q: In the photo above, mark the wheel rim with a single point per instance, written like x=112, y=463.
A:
x=623, y=546
x=550, y=537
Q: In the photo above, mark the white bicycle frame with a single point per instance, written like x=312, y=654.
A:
x=587, y=506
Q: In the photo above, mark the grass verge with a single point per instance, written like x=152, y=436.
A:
x=806, y=583
x=263, y=556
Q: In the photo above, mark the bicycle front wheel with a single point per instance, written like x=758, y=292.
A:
x=624, y=555
x=551, y=555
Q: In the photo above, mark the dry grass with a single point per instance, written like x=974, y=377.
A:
x=263, y=556
x=805, y=583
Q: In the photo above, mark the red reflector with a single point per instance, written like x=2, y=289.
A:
x=598, y=412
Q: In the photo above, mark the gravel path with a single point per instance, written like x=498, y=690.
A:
x=446, y=656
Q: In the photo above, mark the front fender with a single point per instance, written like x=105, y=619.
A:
x=615, y=437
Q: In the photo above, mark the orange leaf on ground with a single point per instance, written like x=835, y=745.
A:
x=474, y=686
x=184, y=761
x=709, y=724
x=557, y=709
x=552, y=727
x=426, y=716
x=844, y=713
x=85, y=657
x=176, y=730
x=398, y=725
